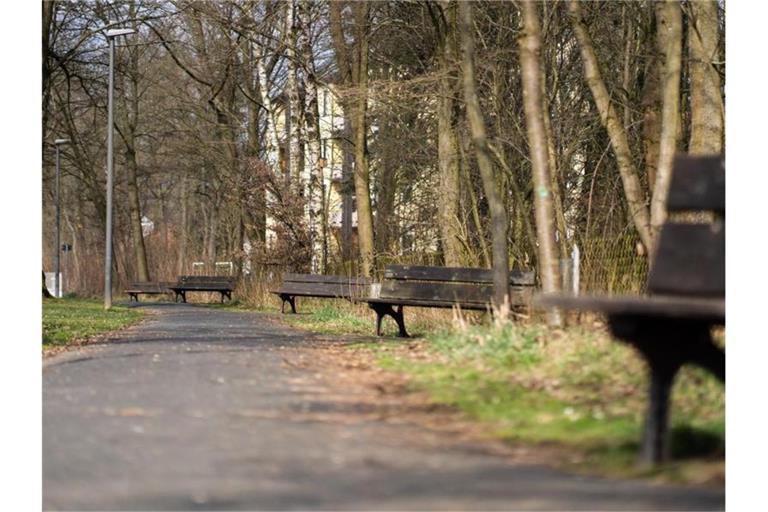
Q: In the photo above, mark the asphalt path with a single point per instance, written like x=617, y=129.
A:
x=200, y=409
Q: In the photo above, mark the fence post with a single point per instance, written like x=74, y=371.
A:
x=576, y=259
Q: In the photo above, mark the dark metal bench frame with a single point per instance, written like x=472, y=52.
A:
x=320, y=286
x=222, y=284
x=147, y=288
x=672, y=326
x=442, y=287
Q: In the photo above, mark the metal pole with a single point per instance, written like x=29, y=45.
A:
x=57, y=285
x=108, y=248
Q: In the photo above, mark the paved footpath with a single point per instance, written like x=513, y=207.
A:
x=196, y=409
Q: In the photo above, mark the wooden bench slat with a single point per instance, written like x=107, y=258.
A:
x=454, y=274
x=329, y=279
x=656, y=305
x=690, y=260
x=323, y=289
x=441, y=292
x=481, y=306
x=698, y=183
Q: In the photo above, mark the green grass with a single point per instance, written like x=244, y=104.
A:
x=574, y=388
x=329, y=319
x=70, y=319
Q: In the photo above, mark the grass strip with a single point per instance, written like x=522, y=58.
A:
x=72, y=319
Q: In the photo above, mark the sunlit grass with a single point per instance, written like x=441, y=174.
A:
x=575, y=387
x=70, y=319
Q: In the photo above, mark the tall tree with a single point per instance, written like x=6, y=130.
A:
x=499, y=224
x=353, y=71
x=612, y=123
x=530, y=49
x=670, y=26
x=315, y=186
x=129, y=136
x=447, y=131
x=707, y=111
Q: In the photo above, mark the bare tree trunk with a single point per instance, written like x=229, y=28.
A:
x=353, y=71
x=142, y=269
x=315, y=182
x=347, y=189
x=555, y=190
x=448, y=139
x=530, y=47
x=362, y=178
x=256, y=195
x=294, y=105
x=651, y=103
x=478, y=223
x=499, y=224
x=612, y=123
x=182, y=257
x=707, y=109
x=385, y=206
x=669, y=18
x=213, y=230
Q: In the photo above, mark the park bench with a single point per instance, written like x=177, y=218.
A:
x=686, y=293
x=147, y=288
x=442, y=287
x=312, y=285
x=222, y=284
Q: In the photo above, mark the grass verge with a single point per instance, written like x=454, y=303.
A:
x=575, y=389
x=71, y=319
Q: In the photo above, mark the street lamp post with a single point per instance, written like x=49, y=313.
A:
x=57, y=283
x=111, y=35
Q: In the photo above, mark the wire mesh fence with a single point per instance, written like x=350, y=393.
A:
x=612, y=265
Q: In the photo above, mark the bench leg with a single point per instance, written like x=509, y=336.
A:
x=397, y=315
x=183, y=296
x=655, y=447
x=290, y=299
x=132, y=297
x=665, y=344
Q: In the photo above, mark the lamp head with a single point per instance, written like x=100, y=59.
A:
x=61, y=141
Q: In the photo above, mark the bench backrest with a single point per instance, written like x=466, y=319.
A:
x=216, y=282
x=690, y=253
x=332, y=285
x=451, y=285
x=150, y=286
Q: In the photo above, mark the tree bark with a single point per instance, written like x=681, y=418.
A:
x=707, y=109
x=651, y=102
x=499, y=224
x=633, y=192
x=315, y=187
x=295, y=108
x=669, y=18
x=530, y=47
x=448, y=138
x=353, y=72
x=362, y=176
x=137, y=236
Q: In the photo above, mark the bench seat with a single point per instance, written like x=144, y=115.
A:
x=320, y=286
x=221, y=284
x=148, y=288
x=442, y=287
